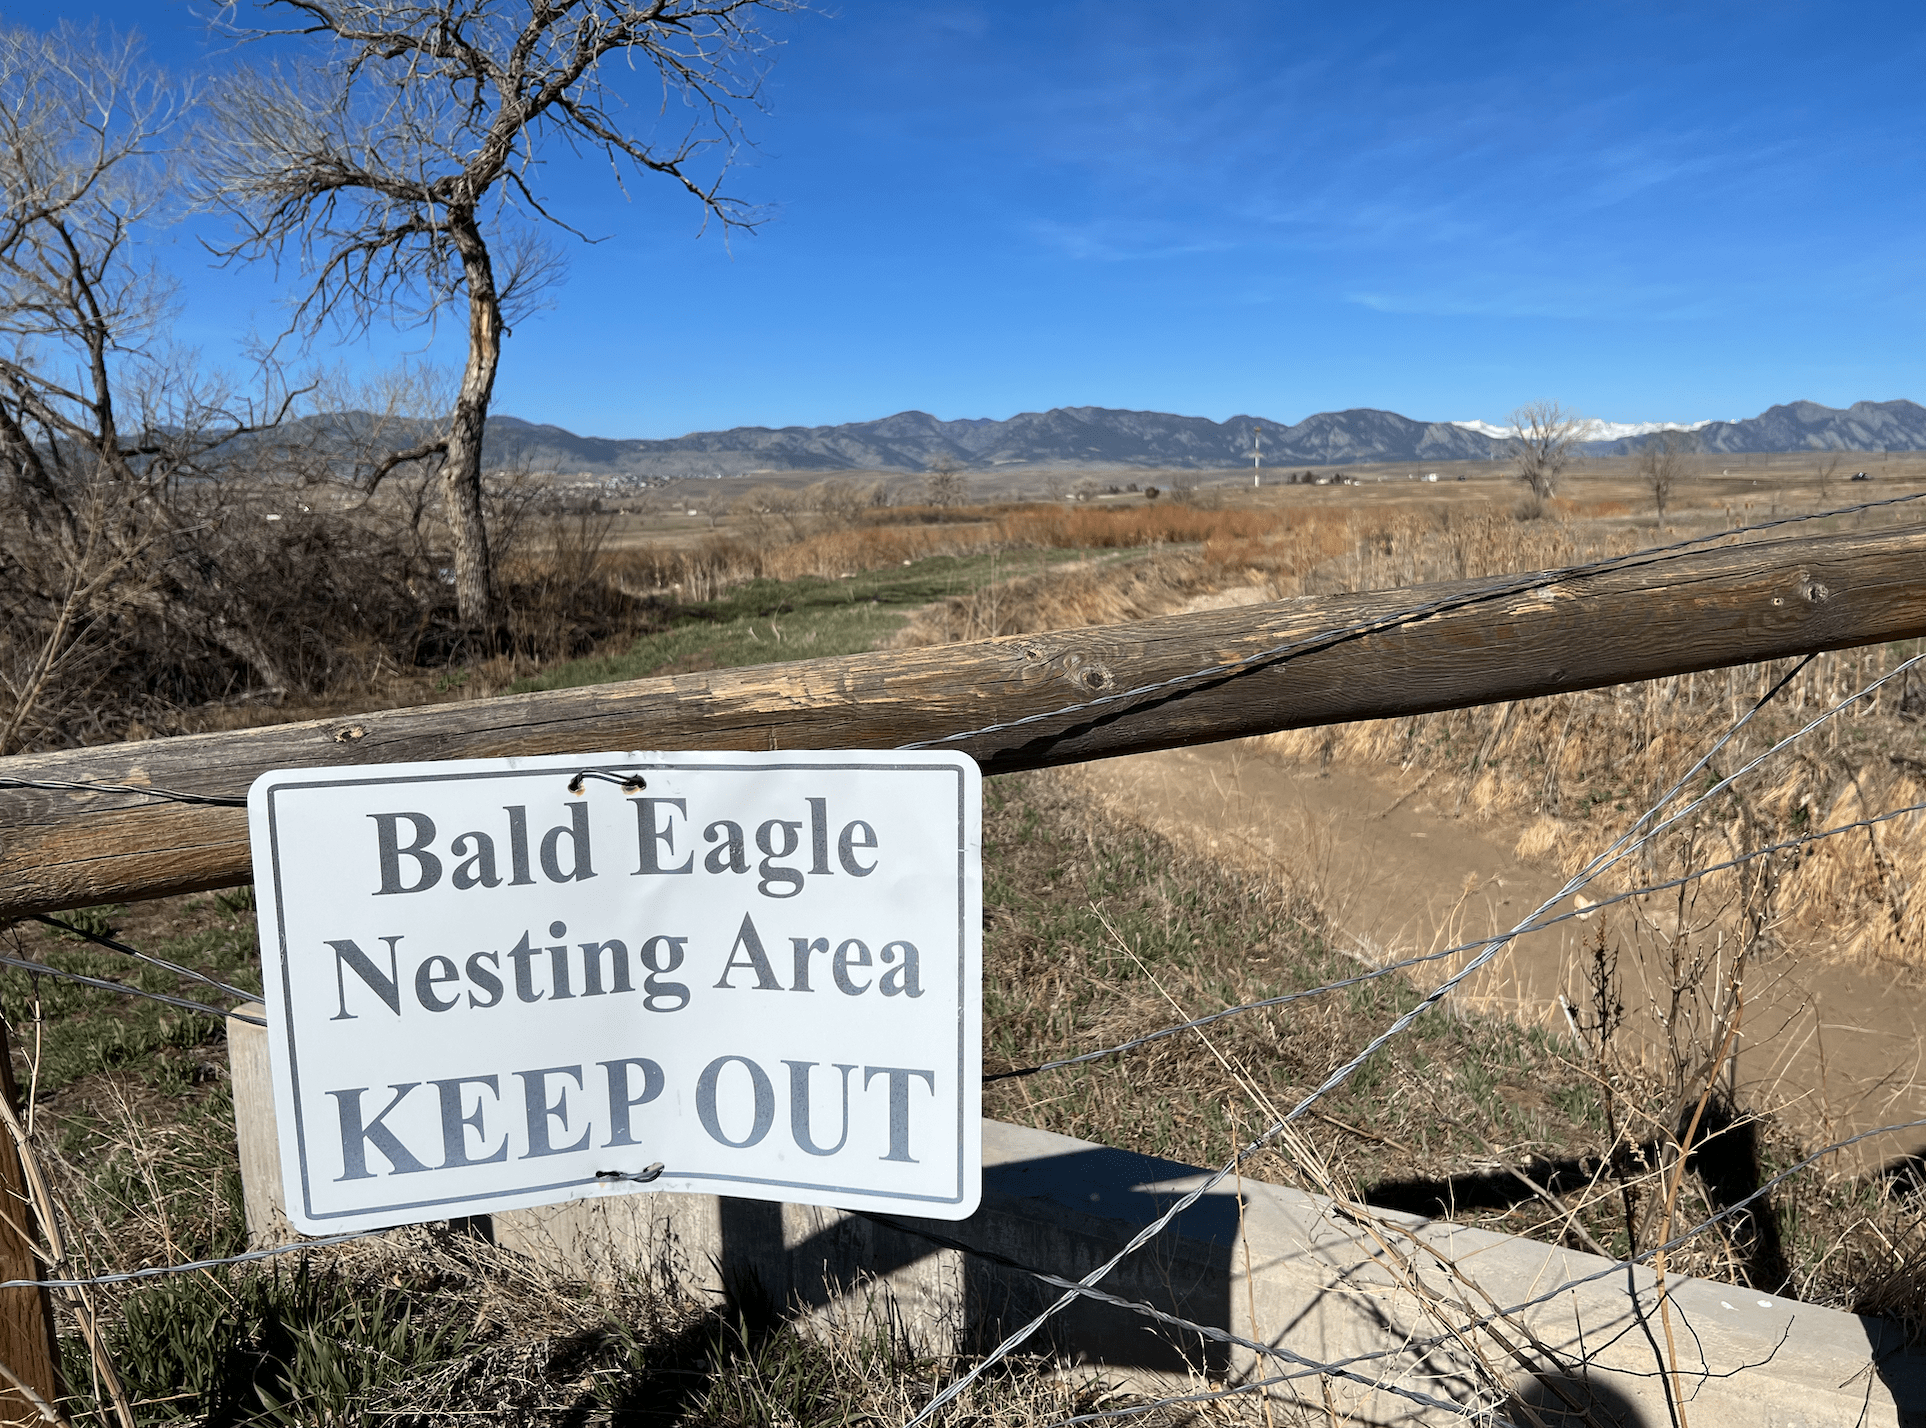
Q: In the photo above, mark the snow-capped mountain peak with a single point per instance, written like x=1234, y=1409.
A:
x=1592, y=428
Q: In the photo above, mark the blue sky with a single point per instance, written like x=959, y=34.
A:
x=1646, y=211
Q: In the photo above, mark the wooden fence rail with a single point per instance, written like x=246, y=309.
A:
x=1485, y=641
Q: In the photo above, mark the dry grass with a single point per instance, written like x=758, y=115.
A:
x=432, y=1325
x=1089, y=593
x=1570, y=769
x=1565, y=770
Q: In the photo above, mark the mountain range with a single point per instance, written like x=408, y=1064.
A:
x=1105, y=437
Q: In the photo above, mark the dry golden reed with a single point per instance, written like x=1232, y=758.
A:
x=1569, y=771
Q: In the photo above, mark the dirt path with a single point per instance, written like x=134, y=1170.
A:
x=1835, y=1049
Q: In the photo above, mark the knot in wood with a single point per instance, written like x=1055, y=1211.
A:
x=1090, y=676
x=350, y=734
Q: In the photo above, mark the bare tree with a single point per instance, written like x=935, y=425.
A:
x=111, y=446
x=841, y=502
x=774, y=511
x=399, y=161
x=1542, y=440
x=945, y=486
x=1827, y=471
x=1662, y=465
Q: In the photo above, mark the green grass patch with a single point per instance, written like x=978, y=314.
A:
x=765, y=621
x=100, y=1030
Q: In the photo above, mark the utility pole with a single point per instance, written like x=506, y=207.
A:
x=1257, y=454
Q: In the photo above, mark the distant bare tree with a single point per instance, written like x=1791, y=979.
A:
x=1087, y=489
x=945, y=486
x=712, y=507
x=838, y=500
x=1543, y=437
x=397, y=161
x=1662, y=465
x=774, y=511
x=1827, y=471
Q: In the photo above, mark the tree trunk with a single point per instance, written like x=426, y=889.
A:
x=461, y=472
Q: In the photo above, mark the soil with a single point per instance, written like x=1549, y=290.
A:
x=1834, y=1049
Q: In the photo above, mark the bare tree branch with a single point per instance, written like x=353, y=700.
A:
x=401, y=154
x=437, y=447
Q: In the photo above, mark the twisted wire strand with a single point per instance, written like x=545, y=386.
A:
x=101, y=940
x=105, y=985
x=170, y=795
x=160, y=1270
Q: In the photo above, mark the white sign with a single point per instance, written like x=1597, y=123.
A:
x=494, y=983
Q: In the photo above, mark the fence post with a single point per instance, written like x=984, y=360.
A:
x=27, y=1345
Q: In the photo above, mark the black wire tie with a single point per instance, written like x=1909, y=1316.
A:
x=629, y=783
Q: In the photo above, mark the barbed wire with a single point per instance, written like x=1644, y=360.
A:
x=102, y=940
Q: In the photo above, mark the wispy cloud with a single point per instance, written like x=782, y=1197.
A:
x=1122, y=240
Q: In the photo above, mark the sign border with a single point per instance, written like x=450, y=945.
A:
x=272, y=784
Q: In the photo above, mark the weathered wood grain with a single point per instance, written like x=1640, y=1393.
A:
x=1490, y=641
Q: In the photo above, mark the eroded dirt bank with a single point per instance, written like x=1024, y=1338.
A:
x=1834, y=1049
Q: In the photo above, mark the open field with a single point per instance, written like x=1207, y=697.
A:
x=1098, y=927
x=1715, y=482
